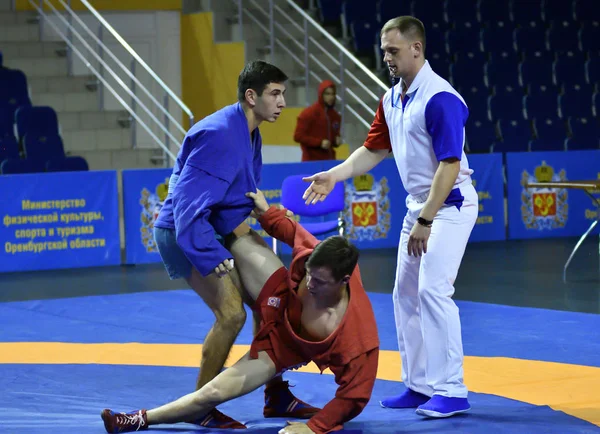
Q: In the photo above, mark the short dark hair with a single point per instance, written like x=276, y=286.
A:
x=408, y=26
x=337, y=254
x=257, y=75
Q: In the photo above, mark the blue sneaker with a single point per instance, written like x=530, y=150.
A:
x=408, y=399
x=443, y=406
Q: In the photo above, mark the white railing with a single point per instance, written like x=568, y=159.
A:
x=77, y=43
x=312, y=51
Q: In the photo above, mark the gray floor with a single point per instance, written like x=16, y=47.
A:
x=517, y=273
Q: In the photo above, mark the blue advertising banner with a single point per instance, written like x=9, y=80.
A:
x=550, y=212
x=488, y=180
x=144, y=192
x=59, y=220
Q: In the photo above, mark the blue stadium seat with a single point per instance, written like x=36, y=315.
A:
x=502, y=71
x=9, y=148
x=18, y=166
x=462, y=12
x=531, y=39
x=592, y=71
x=585, y=133
x=440, y=63
x=576, y=101
x=436, y=42
x=586, y=11
x=468, y=69
x=543, y=105
x=525, y=12
x=430, y=12
x=563, y=37
x=358, y=11
x=43, y=147
x=569, y=69
x=330, y=10
x=7, y=120
x=550, y=133
x=363, y=34
x=481, y=135
x=589, y=38
x=464, y=38
x=558, y=10
x=40, y=120
x=537, y=69
x=498, y=38
x=476, y=98
x=493, y=12
x=506, y=105
x=67, y=164
x=389, y=9
x=14, y=92
x=515, y=133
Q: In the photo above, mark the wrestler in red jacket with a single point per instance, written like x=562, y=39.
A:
x=318, y=126
x=311, y=312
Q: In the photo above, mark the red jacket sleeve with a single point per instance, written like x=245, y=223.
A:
x=302, y=134
x=277, y=225
x=356, y=381
x=379, y=134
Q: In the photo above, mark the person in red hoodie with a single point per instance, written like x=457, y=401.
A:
x=317, y=310
x=318, y=127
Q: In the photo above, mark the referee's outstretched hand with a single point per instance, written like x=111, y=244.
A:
x=320, y=186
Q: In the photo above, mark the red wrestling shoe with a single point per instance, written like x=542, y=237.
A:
x=280, y=402
x=124, y=422
x=216, y=419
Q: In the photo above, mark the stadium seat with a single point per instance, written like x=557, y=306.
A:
x=494, y=12
x=557, y=11
x=498, y=38
x=589, y=38
x=66, y=164
x=389, y=9
x=563, y=37
x=38, y=120
x=531, y=39
x=536, y=69
x=569, y=68
x=544, y=105
x=463, y=12
x=9, y=148
x=525, y=12
x=585, y=133
x=576, y=101
x=515, y=133
x=550, y=133
x=481, y=135
x=330, y=10
x=18, y=166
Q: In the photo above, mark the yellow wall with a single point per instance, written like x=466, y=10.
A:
x=109, y=5
x=209, y=71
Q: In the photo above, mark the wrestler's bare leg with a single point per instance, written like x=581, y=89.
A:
x=223, y=296
x=254, y=259
x=245, y=376
x=256, y=263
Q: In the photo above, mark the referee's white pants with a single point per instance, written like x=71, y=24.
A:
x=427, y=319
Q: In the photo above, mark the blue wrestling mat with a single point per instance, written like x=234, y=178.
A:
x=64, y=360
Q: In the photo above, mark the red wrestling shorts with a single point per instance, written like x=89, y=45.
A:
x=273, y=337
